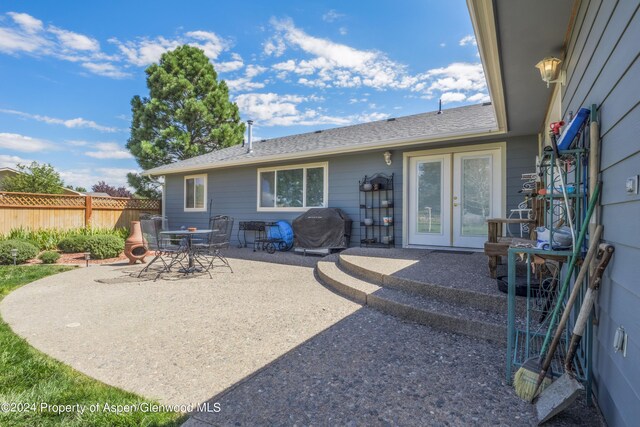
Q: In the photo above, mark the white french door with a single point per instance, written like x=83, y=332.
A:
x=430, y=200
x=451, y=196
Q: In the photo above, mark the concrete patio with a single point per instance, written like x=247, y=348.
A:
x=271, y=345
x=178, y=341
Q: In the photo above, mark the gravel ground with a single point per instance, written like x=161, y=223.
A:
x=373, y=369
x=464, y=271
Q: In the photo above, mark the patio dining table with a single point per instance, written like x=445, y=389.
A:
x=189, y=238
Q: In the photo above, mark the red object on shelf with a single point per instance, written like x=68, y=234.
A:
x=555, y=127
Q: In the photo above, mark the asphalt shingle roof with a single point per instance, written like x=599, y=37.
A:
x=455, y=121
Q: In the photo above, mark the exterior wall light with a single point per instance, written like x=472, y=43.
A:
x=387, y=158
x=549, y=68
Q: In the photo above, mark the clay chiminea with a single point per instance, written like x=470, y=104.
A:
x=134, y=247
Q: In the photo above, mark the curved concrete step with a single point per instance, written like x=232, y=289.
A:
x=343, y=283
x=450, y=317
x=381, y=273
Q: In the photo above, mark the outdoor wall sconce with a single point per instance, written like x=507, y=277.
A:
x=549, y=68
x=387, y=158
x=87, y=257
x=14, y=254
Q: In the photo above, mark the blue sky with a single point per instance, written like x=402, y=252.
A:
x=68, y=70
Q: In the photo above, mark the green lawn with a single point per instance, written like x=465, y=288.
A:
x=30, y=379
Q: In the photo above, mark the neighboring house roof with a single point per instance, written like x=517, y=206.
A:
x=451, y=124
x=95, y=194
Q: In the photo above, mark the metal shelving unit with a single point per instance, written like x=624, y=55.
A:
x=377, y=206
x=527, y=328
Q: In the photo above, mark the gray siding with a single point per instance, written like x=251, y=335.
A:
x=234, y=192
x=603, y=68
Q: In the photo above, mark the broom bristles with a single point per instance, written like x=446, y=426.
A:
x=526, y=380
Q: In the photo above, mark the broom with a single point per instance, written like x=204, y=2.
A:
x=525, y=380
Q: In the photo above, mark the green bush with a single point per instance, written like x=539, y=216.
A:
x=47, y=239
x=73, y=244
x=26, y=251
x=104, y=246
x=49, y=257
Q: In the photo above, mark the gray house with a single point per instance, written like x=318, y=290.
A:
x=323, y=168
x=597, y=42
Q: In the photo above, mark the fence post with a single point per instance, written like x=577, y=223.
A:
x=88, y=210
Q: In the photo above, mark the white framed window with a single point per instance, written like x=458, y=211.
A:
x=293, y=188
x=195, y=193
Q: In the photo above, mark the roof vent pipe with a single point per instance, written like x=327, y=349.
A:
x=250, y=136
x=440, y=106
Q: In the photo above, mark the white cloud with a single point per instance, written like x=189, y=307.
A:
x=7, y=161
x=75, y=41
x=12, y=41
x=78, y=122
x=332, y=15
x=235, y=64
x=106, y=69
x=26, y=22
x=479, y=97
x=339, y=65
x=27, y=144
x=343, y=31
x=108, y=150
x=144, y=51
x=275, y=46
x=443, y=44
x=448, y=97
x=468, y=40
x=246, y=83
x=271, y=109
x=459, y=76
x=213, y=45
x=27, y=34
x=86, y=177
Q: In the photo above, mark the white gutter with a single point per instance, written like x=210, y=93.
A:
x=324, y=152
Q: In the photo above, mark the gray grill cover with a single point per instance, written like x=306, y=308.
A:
x=322, y=228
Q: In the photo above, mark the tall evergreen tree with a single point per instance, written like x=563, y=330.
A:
x=187, y=113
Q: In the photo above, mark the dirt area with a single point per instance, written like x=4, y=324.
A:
x=78, y=259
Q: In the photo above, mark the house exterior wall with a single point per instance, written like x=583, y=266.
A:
x=234, y=190
x=603, y=68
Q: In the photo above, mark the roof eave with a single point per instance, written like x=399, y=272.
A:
x=389, y=143
x=484, y=27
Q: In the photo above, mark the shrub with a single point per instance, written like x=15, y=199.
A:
x=26, y=251
x=104, y=246
x=73, y=244
x=49, y=257
x=48, y=239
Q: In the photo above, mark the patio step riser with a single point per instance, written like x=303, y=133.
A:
x=497, y=304
x=440, y=321
x=345, y=290
x=325, y=273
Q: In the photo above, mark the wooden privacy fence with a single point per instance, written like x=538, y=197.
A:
x=37, y=211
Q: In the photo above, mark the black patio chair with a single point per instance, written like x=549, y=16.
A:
x=161, y=245
x=218, y=240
